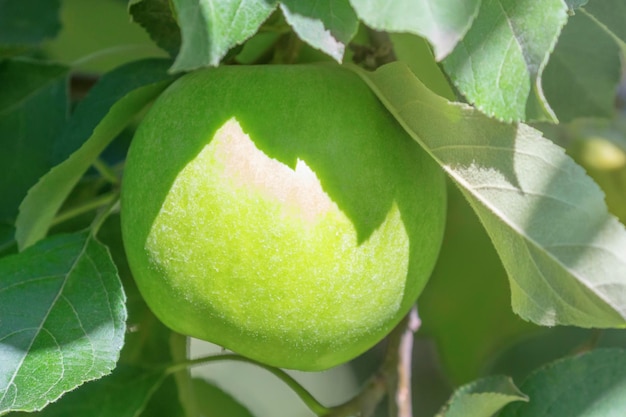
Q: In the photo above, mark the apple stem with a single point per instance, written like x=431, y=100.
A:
x=392, y=379
x=306, y=397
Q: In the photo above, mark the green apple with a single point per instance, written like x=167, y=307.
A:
x=280, y=212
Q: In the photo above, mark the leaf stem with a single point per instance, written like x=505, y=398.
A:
x=88, y=206
x=305, y=396
x=106, y=171
x=104, y=213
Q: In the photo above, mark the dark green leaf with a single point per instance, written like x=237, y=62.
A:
x=582, y=75
x=62, y=320
x=210, y=28
x=155, y=16
x=327, y=25
x=442, y=22
x=99, y=118
x=564, y=253
x=589, y=385
x=497, y=66
x=33, y=110
x=124, y=393
x=482, y=398
x=26, y=23
x=214, y=402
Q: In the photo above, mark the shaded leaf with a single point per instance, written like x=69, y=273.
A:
x=610, y=15
x=582, y=75
x=209, y=28
x=27, y=23
x=33, y=110
x=327, y=25
x=443, y=23
x=214, y=402
x=460, y=284
x=589, y=385
x=155, y=16
x=71, y=328
x=482, y=398
x=564, y=253
x=497, y=66
x=100, y=117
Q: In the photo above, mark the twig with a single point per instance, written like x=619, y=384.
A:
x=393, y=377
x=402, y=389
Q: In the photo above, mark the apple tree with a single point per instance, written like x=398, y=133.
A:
x=369, y=208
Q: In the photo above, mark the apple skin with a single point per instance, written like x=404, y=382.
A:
x=280, y=212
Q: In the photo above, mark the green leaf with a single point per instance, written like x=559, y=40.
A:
x=327, y=25
x=564, y=253
x=27, y=23
x=609, y=15
x=124, y=393
x=497, y=66
x=62, y=320
x=155, y=16
x=33, y=110
x=442, y=22
x=584, y=70
x=107, y=109
x=458, y=285
x=211, y=27
x=482, y=398
x=214, y=402
x=589, y=385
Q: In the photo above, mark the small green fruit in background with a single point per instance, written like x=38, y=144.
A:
x=281, y=212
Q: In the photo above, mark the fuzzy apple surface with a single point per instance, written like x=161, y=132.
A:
x=280, y=212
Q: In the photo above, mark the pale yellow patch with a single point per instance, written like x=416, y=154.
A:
x=248, y=166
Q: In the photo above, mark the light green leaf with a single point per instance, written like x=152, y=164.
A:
x=109, y=107
x=211, y=27
x=564, y=253
x=497, y=66
x=442, y=22
x=588, y=385
x=584, y=70
x=327, y=25
x=482, y=398
x=33, y=111
x=62, y=320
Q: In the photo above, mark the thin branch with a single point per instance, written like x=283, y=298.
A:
x=402, y=389
x=304, y=395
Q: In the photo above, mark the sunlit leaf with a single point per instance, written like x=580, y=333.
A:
x=442, y=22
x=327, y=25
x=497, y=66
x=482, y=398
x=124, y=393
x=62, y=320
x=564, y=253
x=588, y=385
x=211, y=27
